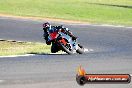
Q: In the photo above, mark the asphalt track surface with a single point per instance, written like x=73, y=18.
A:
x=112, y=53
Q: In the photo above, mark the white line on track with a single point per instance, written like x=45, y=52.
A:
x=85, y=50
x=58, y=53
x=17, y=55
x=100, y=25
x=106, y=25
x=118, y=26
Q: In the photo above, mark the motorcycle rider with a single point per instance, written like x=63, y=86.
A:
x=47, y=28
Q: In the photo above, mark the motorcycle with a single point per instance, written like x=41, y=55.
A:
x=66, y=43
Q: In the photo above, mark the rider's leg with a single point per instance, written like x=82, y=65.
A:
x=54, y=48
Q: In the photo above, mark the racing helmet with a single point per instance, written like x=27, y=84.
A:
x=46, y=25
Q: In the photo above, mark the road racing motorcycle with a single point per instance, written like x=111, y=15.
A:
x=65, y=43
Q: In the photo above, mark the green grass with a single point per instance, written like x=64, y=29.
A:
x=15, y=48
x=93, y=11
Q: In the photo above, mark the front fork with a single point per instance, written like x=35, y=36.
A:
x=75, y=44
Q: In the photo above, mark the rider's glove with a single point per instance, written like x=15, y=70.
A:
x=74, y=38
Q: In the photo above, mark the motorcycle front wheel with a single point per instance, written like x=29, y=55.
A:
x=80, y=49
x=67, y=49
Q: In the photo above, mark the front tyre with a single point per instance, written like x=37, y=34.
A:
x=66, y=49
x=80, y=49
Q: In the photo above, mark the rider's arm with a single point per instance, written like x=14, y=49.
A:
x=62, y=28
x=67, y=31
x=45, y=36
